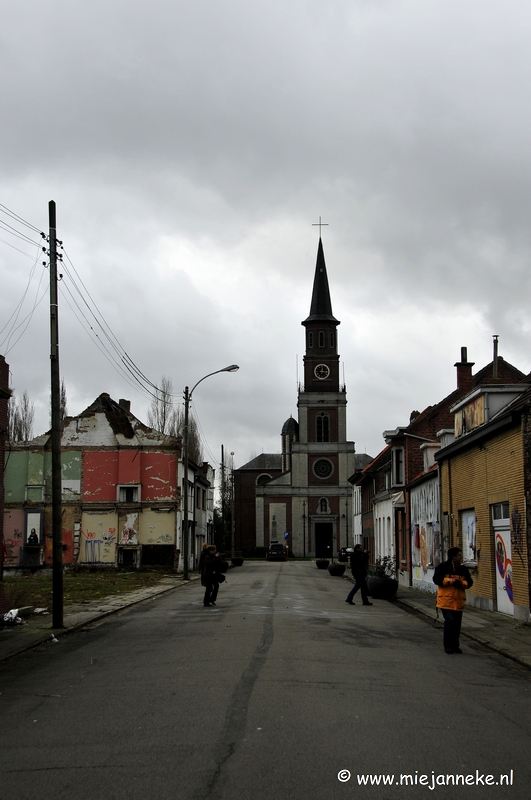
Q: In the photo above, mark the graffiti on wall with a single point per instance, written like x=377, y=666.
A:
x=12, y=545
x=129, y=530
x=98, y=547
x=426, y=547
x=92, y=548
x=470, y=417
x=504, y=566
x=164, y=538
x=517, y=533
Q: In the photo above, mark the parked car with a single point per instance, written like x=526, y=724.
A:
x=276, y=552
x=345, y=553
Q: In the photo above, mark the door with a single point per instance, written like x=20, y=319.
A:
x=504, y=569
x=324, y=539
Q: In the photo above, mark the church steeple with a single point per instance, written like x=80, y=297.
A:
x=321, y=305
x=321, y=362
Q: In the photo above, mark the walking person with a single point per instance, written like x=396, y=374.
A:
x=211, y=576
x=452, y=579
x=359, y=561
x=201, y=562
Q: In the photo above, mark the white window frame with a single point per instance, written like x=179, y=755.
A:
x=398, y=466
x=122, y=487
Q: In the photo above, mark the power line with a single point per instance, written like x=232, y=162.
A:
x=17, y=218
x=13, y=232
x=18, y=309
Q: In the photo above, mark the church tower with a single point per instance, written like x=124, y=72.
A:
x=322, y=404
x=321, y=362
x=308, y=504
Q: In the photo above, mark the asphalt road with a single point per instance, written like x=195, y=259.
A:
x=269, y=695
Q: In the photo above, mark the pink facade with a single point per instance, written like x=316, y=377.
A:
x=159, y=476
x=100, y=476
x=13, y=535
x=103, y=471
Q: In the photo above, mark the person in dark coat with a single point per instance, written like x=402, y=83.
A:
x=452, y=579
x=210, y=576
x=201, y=562
x=358, y=564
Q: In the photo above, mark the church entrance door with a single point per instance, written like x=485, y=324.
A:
x=324, y=537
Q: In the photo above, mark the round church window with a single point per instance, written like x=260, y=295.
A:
x=323, y=468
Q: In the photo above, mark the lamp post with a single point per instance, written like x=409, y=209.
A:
x=187, y=398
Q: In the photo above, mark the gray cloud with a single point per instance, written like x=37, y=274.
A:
x=190, y=147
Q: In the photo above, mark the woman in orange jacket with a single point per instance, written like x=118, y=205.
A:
x=452, y=579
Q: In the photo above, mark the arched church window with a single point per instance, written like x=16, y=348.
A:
x=323, y=427
x=263, y=479
x=332, y=339
x=310, y=339
x=321, y=339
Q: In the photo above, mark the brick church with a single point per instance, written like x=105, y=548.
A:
x=304, y=491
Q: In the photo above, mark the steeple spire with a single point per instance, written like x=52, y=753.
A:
x=321, y=305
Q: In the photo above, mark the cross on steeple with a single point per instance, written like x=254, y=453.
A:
x=321, y=225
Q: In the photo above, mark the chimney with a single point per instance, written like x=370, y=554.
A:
x=125, y=404
x=495, y=357
x=465, y=381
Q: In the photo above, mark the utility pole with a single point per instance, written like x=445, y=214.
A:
x=222, y=543
x=57, y=522
x=184, y=533
x=232, y=521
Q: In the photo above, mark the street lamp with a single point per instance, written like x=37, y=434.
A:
x=187, y=398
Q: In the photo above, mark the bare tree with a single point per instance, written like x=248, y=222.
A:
x=161, y=414
x=63, y=411
x=21, y=415
x=195, y=450
x=163, y=417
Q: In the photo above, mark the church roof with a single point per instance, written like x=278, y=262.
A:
x=290, y=427
x=264, y=461
x=321, y=305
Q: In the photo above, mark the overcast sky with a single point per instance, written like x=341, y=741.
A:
x=190, y=147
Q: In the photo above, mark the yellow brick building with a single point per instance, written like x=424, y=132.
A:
x=484, y=482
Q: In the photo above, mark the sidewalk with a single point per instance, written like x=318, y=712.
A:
x=38, y=629
x=498, y=632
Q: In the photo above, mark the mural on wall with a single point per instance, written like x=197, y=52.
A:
x=33, y=527
x=468, y=530
x=470, y=417
x=426, y=545
x=129, y=530
x=504, y=566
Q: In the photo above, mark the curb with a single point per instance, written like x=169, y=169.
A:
x=409, y=607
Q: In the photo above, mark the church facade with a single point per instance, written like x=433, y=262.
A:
x=306, y=494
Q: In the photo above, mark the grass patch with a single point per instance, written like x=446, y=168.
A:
x=78, y=587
